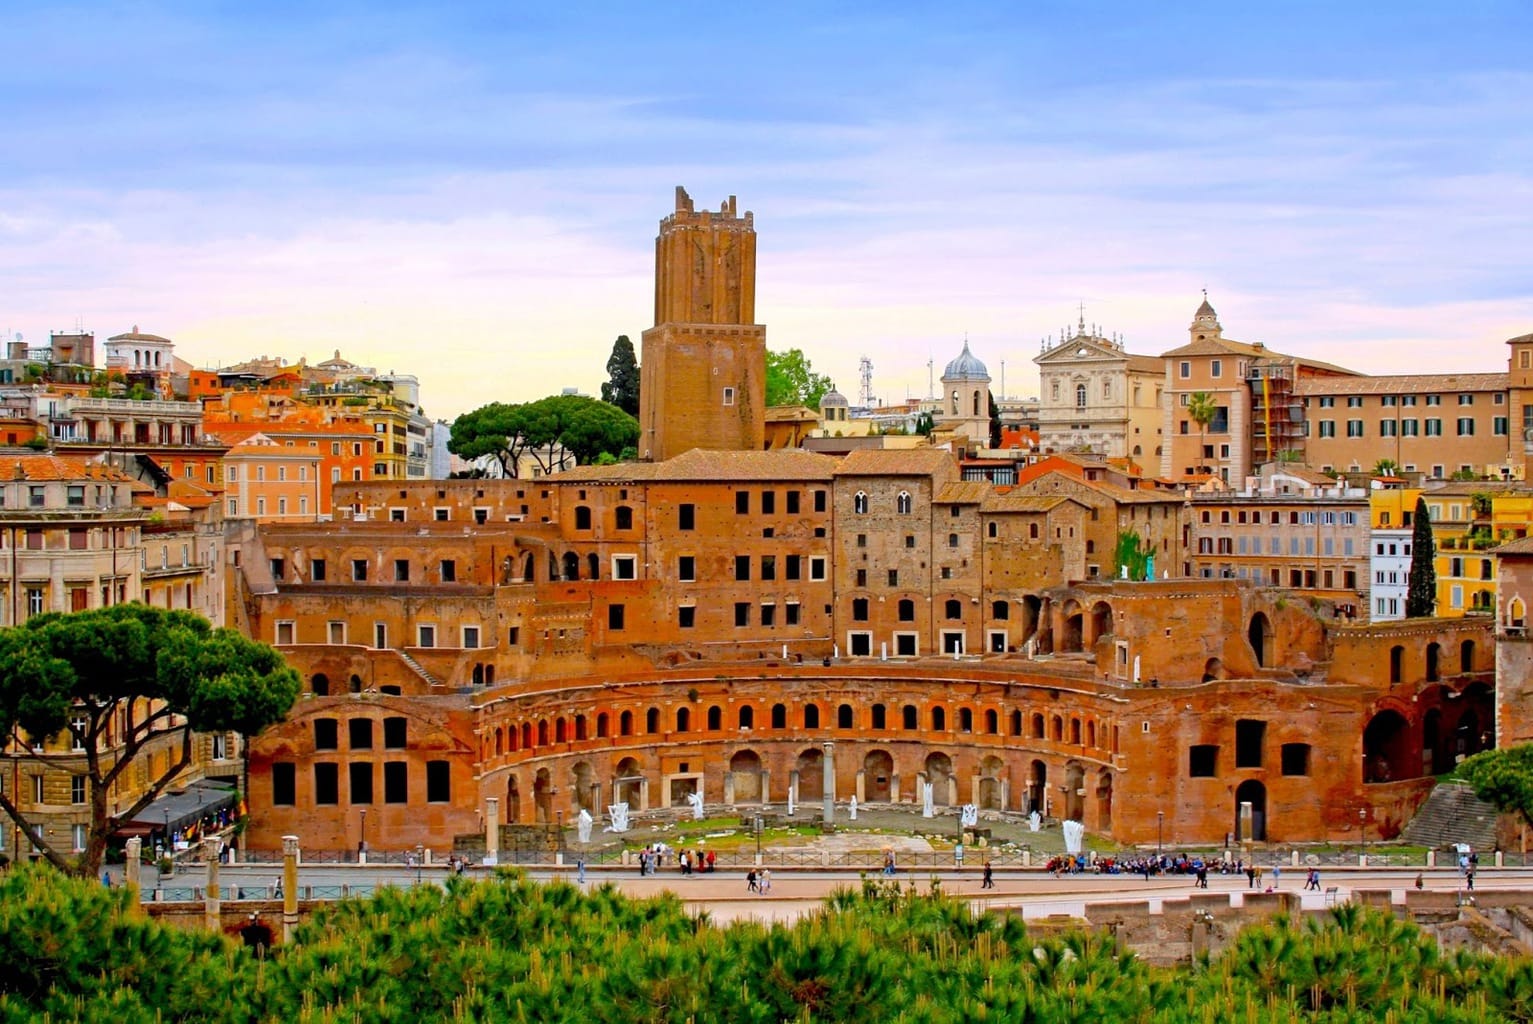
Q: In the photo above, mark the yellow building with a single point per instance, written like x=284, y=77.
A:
x=1468, y=519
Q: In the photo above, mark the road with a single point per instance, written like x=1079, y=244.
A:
x=796, y=890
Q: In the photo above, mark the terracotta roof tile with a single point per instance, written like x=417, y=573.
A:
x=701, y=464
x=1403, y=384
x=1015, y=502
x=963, y=492
x=898, y=462
x=57, y=467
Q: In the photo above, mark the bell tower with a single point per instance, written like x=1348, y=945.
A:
x=703, y=369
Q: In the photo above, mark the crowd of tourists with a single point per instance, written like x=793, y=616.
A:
x=653, y=857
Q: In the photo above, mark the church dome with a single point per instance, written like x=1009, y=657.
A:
x=833, y=398
x=965, y=367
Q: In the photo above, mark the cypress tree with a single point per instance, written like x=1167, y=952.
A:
x=622, y=387
x=1421, y=590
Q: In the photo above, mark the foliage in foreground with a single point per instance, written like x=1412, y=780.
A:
x=508, y=950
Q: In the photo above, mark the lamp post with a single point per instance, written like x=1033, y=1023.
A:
x=420, y=854
x=1160, y=828
x=756, y=828
x=362, y=842
x=1362, y=828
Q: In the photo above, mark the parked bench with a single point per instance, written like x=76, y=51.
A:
x=1331, y=896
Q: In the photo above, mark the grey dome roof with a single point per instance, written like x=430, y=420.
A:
x=833, y=397
x=965, y=366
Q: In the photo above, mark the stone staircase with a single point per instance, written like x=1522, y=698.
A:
x=418, y=668
x=1453, y=814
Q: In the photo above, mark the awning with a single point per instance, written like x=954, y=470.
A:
x=177, y=810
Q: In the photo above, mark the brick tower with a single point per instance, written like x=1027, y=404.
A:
x=703, y=369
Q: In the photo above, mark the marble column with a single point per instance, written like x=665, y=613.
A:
x=289, y=886
x=133, y=878
x=828, y=810
x=492, y=830
x=212, y=915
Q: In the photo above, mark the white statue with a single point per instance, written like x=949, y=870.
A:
x=695, y=798
x=1034, y=821
x=927, y=808
x=1074, y=832
x=970, y=816
x=792, y=798
x=619, y=815
x=852, y=806
x=583, y=825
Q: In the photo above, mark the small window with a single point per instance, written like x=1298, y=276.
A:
x=361, y=733
x=438, y=782
x=729, y=396
x=614, y=616
x=686, y=517
x=449, y=570
x=742, y=503
x=396, y=782
x=327, y=784
x=284, y=784
x=1296, y=759
x=394, y=733
x=686, y=616
x=359, y=569
x=1249, y=735
x=361, y=782
x=1202, y=761
x=326, y=734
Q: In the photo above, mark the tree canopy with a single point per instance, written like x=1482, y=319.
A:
x=146, y=678
x=791, y=380
x=622, y=386
x=513, y=950
x=546, y=431
x=1421, y=583
x=1502, y=777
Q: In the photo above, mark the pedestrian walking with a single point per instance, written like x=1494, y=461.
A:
x=750, y=881
x=1421, y=882
x=580, y=870
x=766, y=880
x=1277, y=875
x=1469, y=879
x=989, y=882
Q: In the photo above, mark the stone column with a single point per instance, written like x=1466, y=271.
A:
x=1005, y=794
x=894, y=788
x=729, y=788
x=766, y=785
x=793, y=793
x=974, y=790
x=492, y=830
x=644, y=793
x=134, y=873
x=862, y=786
x=289, y=886
x=212, y=915
x=828, y=810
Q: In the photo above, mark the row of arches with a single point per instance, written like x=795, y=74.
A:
x=1431, y=662
x=874, y=774
x=1071, y=728
x=1429, y=737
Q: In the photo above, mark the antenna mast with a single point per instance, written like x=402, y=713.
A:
x=865, y=367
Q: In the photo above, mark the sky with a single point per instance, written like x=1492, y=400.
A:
x=470, y=192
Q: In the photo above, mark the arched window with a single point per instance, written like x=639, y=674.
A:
x=580, y=727
x=779, y=716
x=683, y=719
x=939, y=719
x=844, y=716
x=320, y=685
x=902, y=503
x=747, y=717
x=652, y=721
x=623, y=517
x=625, y=724
x=1080, y=396
x=992, y=722
x=601, y=725
x=880, y=717
x=1016, y=723
x=582, y=517
x=811, y=716
x=511, y=743
x=954, y=609
x=560, y=733
x=543, y=733
x=860, y=502
x=715, y=718
x=965, y=720
x=1396, y=663
x=1032, y=531
x=908, y=717
x=975, y=411
x=1037, y=726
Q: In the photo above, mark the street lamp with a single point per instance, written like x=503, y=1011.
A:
x=420, y=854
x=1160, y=828
x=1362, y=827
x=756, y=827
x=362, y=842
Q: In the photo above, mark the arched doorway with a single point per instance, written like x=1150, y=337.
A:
x=1031, y=607
x=1260, y=636
x=877, y=775
x=1101, y=620
x=1466, y=656
x=1104, y=800
x=1213, y=669
x=1436, y=755
x=1075, y=791
x=1434, y=660
x=320, y=685
x=628, y=784
x=543, y=796
x=939, y=772
x=571, y=566
x=745, y=767
x=583, y=779
x=992, y=791
x=1253, y=793
x=811, y=774
x=1386, y=748
x=1071, y=622
x=513, y=809
x=1037, y=786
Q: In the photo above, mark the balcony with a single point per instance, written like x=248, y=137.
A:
x=129, y=407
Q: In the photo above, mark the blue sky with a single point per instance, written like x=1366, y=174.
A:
x=471, y=194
